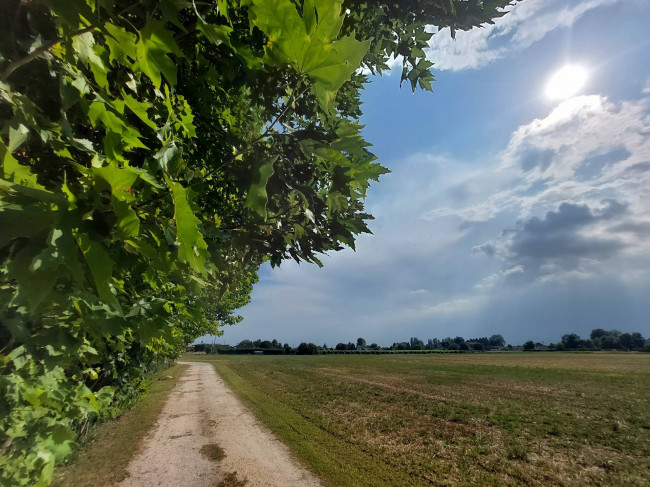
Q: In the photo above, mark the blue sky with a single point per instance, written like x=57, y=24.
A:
x=505, y=212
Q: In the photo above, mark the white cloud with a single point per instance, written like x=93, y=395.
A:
x=517, y=269
x=580, y=190
x=420, y=291
x=646, y=87
x=462, y=305
x=525, y=24
x=586, y=150
x=492, y=280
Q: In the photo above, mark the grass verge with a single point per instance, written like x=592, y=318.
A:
x=103, y=459
x=309, y=441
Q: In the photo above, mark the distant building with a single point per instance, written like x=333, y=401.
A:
x=190, y=347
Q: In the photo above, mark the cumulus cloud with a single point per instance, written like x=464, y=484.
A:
x=571, y=239
x=586, y=150
x=580, y=191
x=525, y=24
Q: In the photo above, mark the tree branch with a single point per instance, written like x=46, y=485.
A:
x=36, y=53
x=11, y=67
x=232, y=158
x=282, y=113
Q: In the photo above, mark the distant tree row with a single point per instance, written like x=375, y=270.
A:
x=453, y=344
x=263, y=344
x=247, y=346
x=599, y=339
x=457, y=343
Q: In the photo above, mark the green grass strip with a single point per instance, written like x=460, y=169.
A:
x=335, y=460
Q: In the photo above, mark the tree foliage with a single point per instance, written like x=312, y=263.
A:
x=529, y=346
x=153, y=154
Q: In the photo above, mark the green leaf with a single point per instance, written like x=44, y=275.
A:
x=170, y=10
x=101, y=112
x=191, y=245
x=334, y=67
x=153, y=47
x=121, y=44
x=17, y=136
x=257, y=197
x=84, y=45
x=127, y=219
x=33, y=287
x=217, y=34
x=32, y=192
x=15, y=172
x=47, y=470
x=70, y=94
x=146, y=176
x=29, y=222
x=113, y=147
x=139, y=109
x=169, y=157
x=19, y=357
x=222, y=5
x=62, y=252
x=101, y=267
x=309, y=43
x=60, y=441
x=71, y=13
x=119, y=179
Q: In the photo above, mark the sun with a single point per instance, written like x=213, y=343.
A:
x=566, y=82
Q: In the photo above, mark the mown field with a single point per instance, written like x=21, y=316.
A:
x=475, y=419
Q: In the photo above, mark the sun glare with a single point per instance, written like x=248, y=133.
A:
x=566, y=82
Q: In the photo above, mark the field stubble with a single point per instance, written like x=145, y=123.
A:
x=476, y=419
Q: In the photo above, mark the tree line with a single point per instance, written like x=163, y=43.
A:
x=599, y=339
x=494, y=342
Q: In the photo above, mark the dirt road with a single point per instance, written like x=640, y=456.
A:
x=205, y=437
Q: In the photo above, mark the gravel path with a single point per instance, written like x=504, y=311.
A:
x=205, y=437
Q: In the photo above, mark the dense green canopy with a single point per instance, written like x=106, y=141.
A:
x=154, y=154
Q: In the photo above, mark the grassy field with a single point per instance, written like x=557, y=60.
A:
x=475, y=419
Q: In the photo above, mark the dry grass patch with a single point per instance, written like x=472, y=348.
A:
x=232, y=480
x=213, y=452
x=477, y=419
